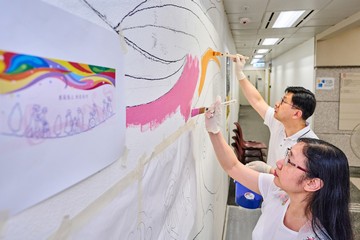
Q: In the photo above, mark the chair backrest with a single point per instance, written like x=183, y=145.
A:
x=239, y=134
x=236, y=150
x=239, y=151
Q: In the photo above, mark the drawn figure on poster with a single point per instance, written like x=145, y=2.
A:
x=48, y=98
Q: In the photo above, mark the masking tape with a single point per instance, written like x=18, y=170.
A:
x=124, y=157
x=122, y=40
x=172, y=138
x=140, y=189
x=90, y=211
x=64, y=229
x=4, y=216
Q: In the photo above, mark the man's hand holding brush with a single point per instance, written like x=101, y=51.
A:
x=240, y=61
x=239, y=66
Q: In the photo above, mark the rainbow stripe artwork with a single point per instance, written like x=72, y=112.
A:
x=43, y=98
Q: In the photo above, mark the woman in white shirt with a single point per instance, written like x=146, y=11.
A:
x=306, y=198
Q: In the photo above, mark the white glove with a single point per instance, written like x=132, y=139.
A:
x=239, y=66
x=213, y=116
x=259, y=166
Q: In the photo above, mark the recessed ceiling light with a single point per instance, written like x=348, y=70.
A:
x=254, y=61
x=258, y=56
x=287, y=19
x=270, y=41
x=262, y=50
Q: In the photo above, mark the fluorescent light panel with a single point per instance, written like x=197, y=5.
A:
x=258, y=56
x=262, y=50
x=254, y=61
x=270, y=41
x=287, y=19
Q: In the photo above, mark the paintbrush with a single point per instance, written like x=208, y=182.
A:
x=197, y=111
x=227, y=55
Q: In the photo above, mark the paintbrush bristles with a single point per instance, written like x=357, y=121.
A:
x=197, y=111
x=202, y=110
x=217, y=54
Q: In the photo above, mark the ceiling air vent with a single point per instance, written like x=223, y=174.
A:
x=280, y=41
x=268, y=22
x=304, y=18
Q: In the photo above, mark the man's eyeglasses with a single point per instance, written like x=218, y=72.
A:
x=283, y=101
x=287, y=161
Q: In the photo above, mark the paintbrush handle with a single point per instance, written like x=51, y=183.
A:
x=197, y=111
x=227, y=55
x=233, y=55
x=228, y=102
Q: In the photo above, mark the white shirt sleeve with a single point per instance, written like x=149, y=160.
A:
x=269, y=116
x=266, y=184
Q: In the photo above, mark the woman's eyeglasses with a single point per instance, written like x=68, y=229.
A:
x=287, y=161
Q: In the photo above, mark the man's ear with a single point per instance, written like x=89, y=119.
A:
x=298, y=113
x=314, y=184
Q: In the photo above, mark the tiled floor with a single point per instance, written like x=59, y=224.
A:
x=240, y=221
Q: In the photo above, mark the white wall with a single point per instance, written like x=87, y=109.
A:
x=167, y=184
x=341, y=44
x=253, y=75
x=294, y=68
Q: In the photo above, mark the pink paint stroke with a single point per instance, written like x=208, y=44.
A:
x=151, y=115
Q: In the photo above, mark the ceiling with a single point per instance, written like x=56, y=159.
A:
x=259, y=15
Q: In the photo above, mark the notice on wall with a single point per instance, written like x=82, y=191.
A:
x=349, y=112
x=325, y=83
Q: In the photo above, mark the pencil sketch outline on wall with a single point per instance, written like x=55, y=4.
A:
x=142, y=113
x=176, y=192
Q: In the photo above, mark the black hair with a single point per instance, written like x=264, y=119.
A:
x=329, y=206
x=303, y=99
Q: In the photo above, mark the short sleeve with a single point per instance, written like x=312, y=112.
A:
x=266, y=184
x=269, y=117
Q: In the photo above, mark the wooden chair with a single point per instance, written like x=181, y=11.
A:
x=247, y=144
x=243, y=142
x=257, y=147
x=249, y=152
x=246, y=158
x=248, y=149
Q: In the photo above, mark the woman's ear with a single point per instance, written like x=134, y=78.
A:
x=314, y=184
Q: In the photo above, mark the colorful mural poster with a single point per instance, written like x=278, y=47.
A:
x=56, y=125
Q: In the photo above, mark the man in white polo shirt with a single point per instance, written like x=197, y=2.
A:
x=286, y=122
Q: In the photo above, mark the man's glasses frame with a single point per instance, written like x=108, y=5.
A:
x=287, y=161
x=283, y=101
